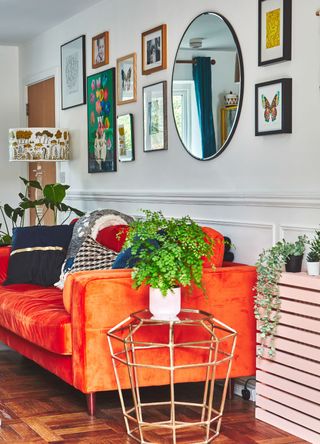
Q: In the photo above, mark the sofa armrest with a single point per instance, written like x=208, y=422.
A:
x=101, y=299
x=4, y=261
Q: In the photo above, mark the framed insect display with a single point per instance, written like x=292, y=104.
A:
x=273, y=107
x=127, y=79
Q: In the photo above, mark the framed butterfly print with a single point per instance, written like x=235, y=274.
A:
x=273, y=107
x=275, y=29
x=127, y=79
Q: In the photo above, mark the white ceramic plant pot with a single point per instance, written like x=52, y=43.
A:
x=313, y=268
x=165, y=308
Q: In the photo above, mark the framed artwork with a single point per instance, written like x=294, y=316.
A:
x=154, y=50
x=125, y=138
x=274, y=31
x=155, y=130
x=100, y=50
x=273, y=107
x=127, y=79
x=101, y=109
x=73, y=73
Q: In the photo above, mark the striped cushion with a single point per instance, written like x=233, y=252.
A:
x=93, y=256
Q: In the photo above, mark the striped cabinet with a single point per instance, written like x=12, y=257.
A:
x=288, y=386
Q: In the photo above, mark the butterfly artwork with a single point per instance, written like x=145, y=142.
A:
x=126, y=78
x=270, y=111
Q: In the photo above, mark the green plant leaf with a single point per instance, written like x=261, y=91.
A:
x=55, y=193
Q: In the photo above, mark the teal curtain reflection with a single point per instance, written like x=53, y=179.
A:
x=202, y=81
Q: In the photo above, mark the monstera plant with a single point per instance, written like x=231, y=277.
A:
x=52, y=197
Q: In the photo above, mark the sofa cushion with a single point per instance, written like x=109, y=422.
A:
x=113, y=237
x=93, y=256
x=38, y=315
x=37, y=254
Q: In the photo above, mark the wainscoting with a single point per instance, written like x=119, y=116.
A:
x=253, y=221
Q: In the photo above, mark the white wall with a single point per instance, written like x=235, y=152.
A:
x=9, y=118
x=260, y=188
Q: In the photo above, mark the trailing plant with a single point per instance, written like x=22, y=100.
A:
x=314, y=253
x=52, y=197
x=169, y=252
x=267, y=300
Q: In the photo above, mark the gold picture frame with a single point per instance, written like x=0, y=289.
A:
x=154, y=49
x=127, y=79
x=100, y=50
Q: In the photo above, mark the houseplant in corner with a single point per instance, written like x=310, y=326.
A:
x=52, y=199
x=313, y=257
x=168, y=253
x=267, y=301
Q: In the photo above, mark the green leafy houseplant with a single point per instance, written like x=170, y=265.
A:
x=267, y=300
x=168, y=251
x=52, y=199
x=314, y=253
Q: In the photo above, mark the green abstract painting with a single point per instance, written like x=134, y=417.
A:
x=101, y=122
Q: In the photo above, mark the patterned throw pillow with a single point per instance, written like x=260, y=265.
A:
x=93, y=256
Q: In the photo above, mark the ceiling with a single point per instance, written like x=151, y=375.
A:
x=20, y=20
x=212, y=29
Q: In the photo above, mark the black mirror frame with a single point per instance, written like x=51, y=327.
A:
x=234, y=127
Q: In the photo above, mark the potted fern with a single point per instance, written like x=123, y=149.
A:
x=313, y=257
x=168, y=254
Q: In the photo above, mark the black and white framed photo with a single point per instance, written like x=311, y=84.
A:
x=127, y=79
x=100, y=50
x=154, y=50
x=275, y=29
x=125, y=137
x=273, y=107
x=155, y=128
x=73, y=73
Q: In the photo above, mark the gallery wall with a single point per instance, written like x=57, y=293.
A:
x=261, y=188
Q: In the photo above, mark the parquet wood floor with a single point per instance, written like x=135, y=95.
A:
x=37, y=407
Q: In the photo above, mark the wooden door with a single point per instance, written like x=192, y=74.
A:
x=41, y=113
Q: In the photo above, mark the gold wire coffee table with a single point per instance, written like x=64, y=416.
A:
x=147, y=351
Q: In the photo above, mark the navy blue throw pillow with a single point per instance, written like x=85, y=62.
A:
x=125, y=258
x=37, y=254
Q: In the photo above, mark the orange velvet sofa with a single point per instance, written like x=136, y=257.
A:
x=65, y=331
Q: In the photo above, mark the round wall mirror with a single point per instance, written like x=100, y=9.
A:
x=207, y=86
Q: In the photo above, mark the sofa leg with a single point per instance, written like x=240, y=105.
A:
x=231, y=389
x=91, y=403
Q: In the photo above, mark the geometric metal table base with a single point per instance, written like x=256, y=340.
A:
x=146, y=351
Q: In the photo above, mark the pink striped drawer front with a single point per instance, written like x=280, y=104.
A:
x=299, y=363
x=289, y=386
x=286, y=412
x=301, y=280
x=293, y=320
x=295, y=348
x=305, y=337
x=302, y=405
x=300, y=294
x=301, y=308
x=287, y=426
x=289, y=373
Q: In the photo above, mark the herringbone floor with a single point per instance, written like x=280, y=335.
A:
x=37, y=407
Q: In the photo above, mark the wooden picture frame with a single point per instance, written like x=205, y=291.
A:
x=154, y=49
x=155, y=117
x=273, y=107
x=73, y=73
x=275, y=31
x=125, y=135
x=101, y=120
x=127, y=79
x=100, y=50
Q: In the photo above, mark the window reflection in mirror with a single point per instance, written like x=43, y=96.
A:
x=207, y=86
